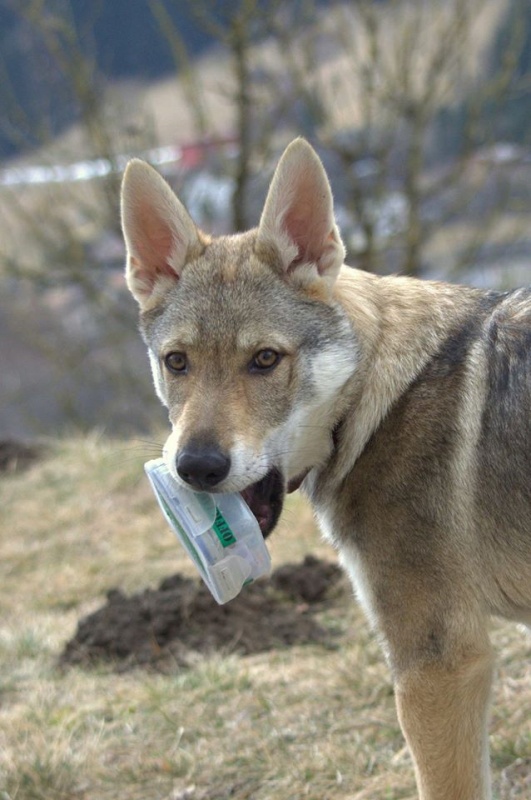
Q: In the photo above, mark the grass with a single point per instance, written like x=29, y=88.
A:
x=300, y=724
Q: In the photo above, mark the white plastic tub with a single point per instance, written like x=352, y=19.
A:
x=219, y=532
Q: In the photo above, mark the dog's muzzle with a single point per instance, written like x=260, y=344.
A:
x=203, y=467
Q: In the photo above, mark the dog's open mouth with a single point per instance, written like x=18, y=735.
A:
x=265, y=499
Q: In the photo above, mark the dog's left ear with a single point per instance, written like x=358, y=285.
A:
x=298, y=218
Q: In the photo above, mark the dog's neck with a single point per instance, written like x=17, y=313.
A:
x=403, y=320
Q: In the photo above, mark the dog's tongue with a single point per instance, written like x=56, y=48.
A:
x=264, y=498
x=263, y=515
x=261, y=509
x=260, y=498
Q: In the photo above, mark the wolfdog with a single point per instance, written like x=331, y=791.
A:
x=400, y=407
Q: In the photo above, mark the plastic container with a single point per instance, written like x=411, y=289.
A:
x=219, y=532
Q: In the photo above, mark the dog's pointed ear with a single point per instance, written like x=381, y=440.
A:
x=158, y=231
x=298, y=217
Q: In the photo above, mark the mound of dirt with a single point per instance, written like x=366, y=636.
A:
x=166, y=626
x=15, y=455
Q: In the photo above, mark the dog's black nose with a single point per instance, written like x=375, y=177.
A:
x=202, y=467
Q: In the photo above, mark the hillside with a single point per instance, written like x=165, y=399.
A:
x=122, y=39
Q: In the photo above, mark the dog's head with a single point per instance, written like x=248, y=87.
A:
x=248, y=349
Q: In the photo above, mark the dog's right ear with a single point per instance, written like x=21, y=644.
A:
x=158, y=231
x=298, y=219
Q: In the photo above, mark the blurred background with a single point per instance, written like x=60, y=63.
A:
x=419, y=109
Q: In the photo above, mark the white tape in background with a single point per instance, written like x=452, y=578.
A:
x=84, y=170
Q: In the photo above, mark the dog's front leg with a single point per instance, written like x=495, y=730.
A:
x=443, y=712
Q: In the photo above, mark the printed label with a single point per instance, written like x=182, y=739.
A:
x=223, y=531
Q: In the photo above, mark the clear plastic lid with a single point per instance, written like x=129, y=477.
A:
x=219, y=532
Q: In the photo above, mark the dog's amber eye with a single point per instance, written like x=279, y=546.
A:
x=176, y=363
x=265, y=360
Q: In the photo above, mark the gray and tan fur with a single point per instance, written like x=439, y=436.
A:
x=401, y=407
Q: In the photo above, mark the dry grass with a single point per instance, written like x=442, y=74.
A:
x=301, y=723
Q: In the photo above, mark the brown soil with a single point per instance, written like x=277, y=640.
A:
x=165, y=627
x=15, y=455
